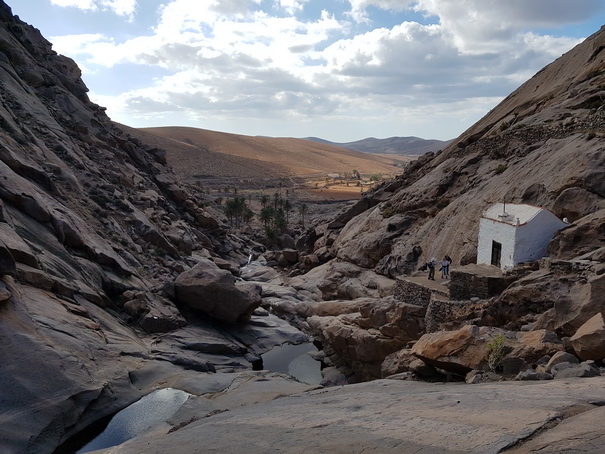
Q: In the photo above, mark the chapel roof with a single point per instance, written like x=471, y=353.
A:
x=514, y=211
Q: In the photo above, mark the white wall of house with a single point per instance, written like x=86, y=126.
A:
x=522, y=241
x=491, y=230
x=532, y=238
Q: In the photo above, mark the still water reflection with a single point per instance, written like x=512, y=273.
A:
x=135, y=419
x=294, y=360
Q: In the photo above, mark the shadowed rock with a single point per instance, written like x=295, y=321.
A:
x=215, y=292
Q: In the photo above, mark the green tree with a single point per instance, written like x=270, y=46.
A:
x=287, y=208
x=280, y=222
x=266, y=215
x=271, y=234
x=248, y=215
x=277, y=201
x=236, y=211
x=303, y=210
x=264, y=200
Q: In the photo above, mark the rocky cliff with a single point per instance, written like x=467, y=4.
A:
x=115, y=278
x=544, y=146
x=94, y=230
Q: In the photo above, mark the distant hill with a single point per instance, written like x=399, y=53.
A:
x=409, y=146
x=198, y=153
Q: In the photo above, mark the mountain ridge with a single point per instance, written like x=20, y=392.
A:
x=261, y=156
x=410, y=145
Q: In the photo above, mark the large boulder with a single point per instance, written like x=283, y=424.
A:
x=467, y=348
x=339, y=279
x=531, y=295
x=216, y=292
x=589, y=341
x=363, y=340
x=575, y=203
x=397, y=362
x=157, y=314
x=393, y=318
x=578, y=299
x=584, y=236
x=361, y=350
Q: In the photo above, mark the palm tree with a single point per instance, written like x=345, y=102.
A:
x=280, y=220
x=302, y=210
x=277, y=201
x=287, y=209
x=266, y=215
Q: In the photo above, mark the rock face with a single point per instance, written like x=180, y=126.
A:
x=468, y=348
x=216, y=293
x=94, y=230
x=112, y=272
x=386, y=417
x=363, y=340
x=588, y=339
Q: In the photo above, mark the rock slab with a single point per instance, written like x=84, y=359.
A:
x=215, y=292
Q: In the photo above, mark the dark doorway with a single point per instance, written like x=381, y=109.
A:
x=496, y=253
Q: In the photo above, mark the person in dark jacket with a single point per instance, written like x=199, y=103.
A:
x=431, y=266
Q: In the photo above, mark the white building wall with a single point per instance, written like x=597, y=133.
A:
x=532, y=238
x=503, y=233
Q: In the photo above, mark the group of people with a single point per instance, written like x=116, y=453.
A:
x=444, y=267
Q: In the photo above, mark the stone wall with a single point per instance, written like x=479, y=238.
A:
x=475, y=281
x=412, y=293
x=446, y=315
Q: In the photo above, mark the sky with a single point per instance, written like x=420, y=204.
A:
x=341, y=70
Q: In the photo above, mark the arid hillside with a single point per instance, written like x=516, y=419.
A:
x=543, y=145
x=199, y=153
x=118, y=277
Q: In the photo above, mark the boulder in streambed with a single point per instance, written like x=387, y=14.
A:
x=217, y=292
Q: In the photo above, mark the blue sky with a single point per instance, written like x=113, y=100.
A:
x=341, y=70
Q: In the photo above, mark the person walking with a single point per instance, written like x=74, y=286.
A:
x=431, y=267
x=445, y=267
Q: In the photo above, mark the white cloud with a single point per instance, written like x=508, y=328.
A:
x=81, y=4
x=359, y=7
x=120, y=7
x=291, y=6
x=231, y=60
x=228, y=7
x=477, y=26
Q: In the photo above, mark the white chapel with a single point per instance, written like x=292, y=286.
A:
x=514, y=233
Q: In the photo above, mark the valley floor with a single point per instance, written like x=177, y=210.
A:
x=393, y=416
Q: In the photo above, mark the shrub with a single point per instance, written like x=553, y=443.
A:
x=388, y=212
x=495, y=352
x=442, y=203
x=500, y=169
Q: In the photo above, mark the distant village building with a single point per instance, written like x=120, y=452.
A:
x=515, y=233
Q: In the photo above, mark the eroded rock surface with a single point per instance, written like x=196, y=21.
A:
x=117, y=278
x=390, y=416
x=215, y=292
